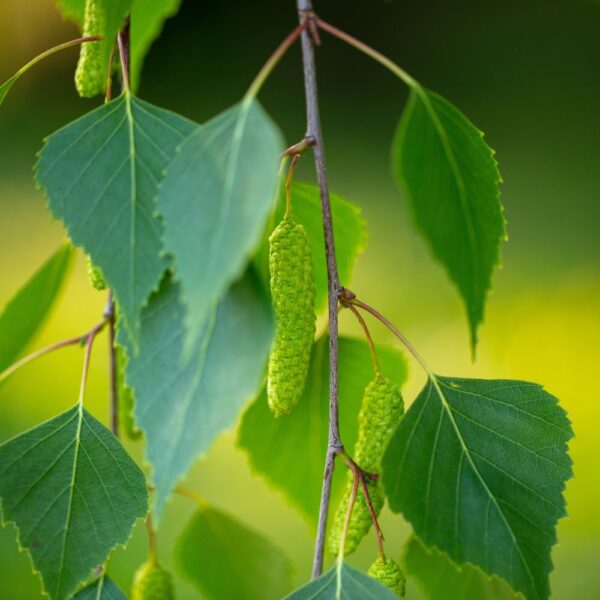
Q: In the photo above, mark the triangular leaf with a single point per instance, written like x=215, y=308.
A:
x=290, y=451
x=80, y=498
x=439, y=578
x=27, y=310
x=343, y=583
x=224, y=559
x=100, y=174
x=182, y=408
x=147, y=18
x=215, y=199
x=478, y=468
x=103, y=588
x=451, y=178
x=348, y=227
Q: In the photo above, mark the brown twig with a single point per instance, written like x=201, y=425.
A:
x=358, y=316
x=334, y=444
x=86, y=358
x=348, y=516
x=288, y=186
x=80, y=339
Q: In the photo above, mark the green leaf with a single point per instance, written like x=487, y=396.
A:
x=222, y=558
x=439, y=578
x=100, y=174
x=73, y=493
x=72, y=10
x=349, y=229
x=345, y=583
x=215, y=199
x=26, y=312
x=450, y=178
x=103, y=588
x=478, y=468
x=147, y=18
x=296, y=468
x=183, y=407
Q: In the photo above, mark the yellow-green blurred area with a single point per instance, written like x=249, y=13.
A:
x=527, y=72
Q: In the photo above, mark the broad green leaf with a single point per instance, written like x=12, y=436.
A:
x=100, y=174
x=345, y=583
x=103, y=588
x=224, y=559
x=27, y=310
x=183, y=407
x=72, y=10
x=215, y=199
x=348, y=226
x=450, y=178
x=439, y=578
x=296, y=468
x=73, y=493
x=478, y=468
x=147, y=18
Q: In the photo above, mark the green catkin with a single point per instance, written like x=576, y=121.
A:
x=95, y=275
x=152, y=582
x=380, y=412
x=388, y=572
x=90, y=76
x=126, y=400
x=293, y=292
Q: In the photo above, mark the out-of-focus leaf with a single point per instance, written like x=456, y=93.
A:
x=100, y=174
x=349, y=229
x=224, y=559
x=183, y=407
x=451, y=179
x=439, y=578
x=72, y=10
x=73, y=493
x=343, y=583
x=147, y=18
x=289, y=451
x=478, y=468
x=215, y=199
x=27, y=310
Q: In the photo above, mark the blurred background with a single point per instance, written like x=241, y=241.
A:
x=527, y=72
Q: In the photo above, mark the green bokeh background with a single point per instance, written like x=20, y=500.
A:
x=527, y=72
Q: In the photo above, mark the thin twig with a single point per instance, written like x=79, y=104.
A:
x=46, y=350
x=288, y=186
x=86, y=358
x=109, y=314
x=271, y=63
x=334, y=444
x=356, y=302
x=152, y=545
x=367, y=334
x=123, y=41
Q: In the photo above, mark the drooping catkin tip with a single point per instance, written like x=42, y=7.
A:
x=152, y=582
x=388, y=572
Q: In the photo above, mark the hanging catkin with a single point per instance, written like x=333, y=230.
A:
x=293, y=292
x=388, y=572
x=381, y=410
x=152, y=582
x=90, y=76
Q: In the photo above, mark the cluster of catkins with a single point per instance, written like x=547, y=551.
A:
x=380, y=413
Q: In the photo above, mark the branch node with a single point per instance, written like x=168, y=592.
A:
x=300, y=147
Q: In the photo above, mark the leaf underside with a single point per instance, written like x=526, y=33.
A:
x=100, y=174
x=81, y=497
x=215, y=199
x=289, y=451
x=28, y=309
x=439, y=578
x=450, y=178
x=350, y=585
x=478, y=468
x=183, y=406
x=251, y=567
